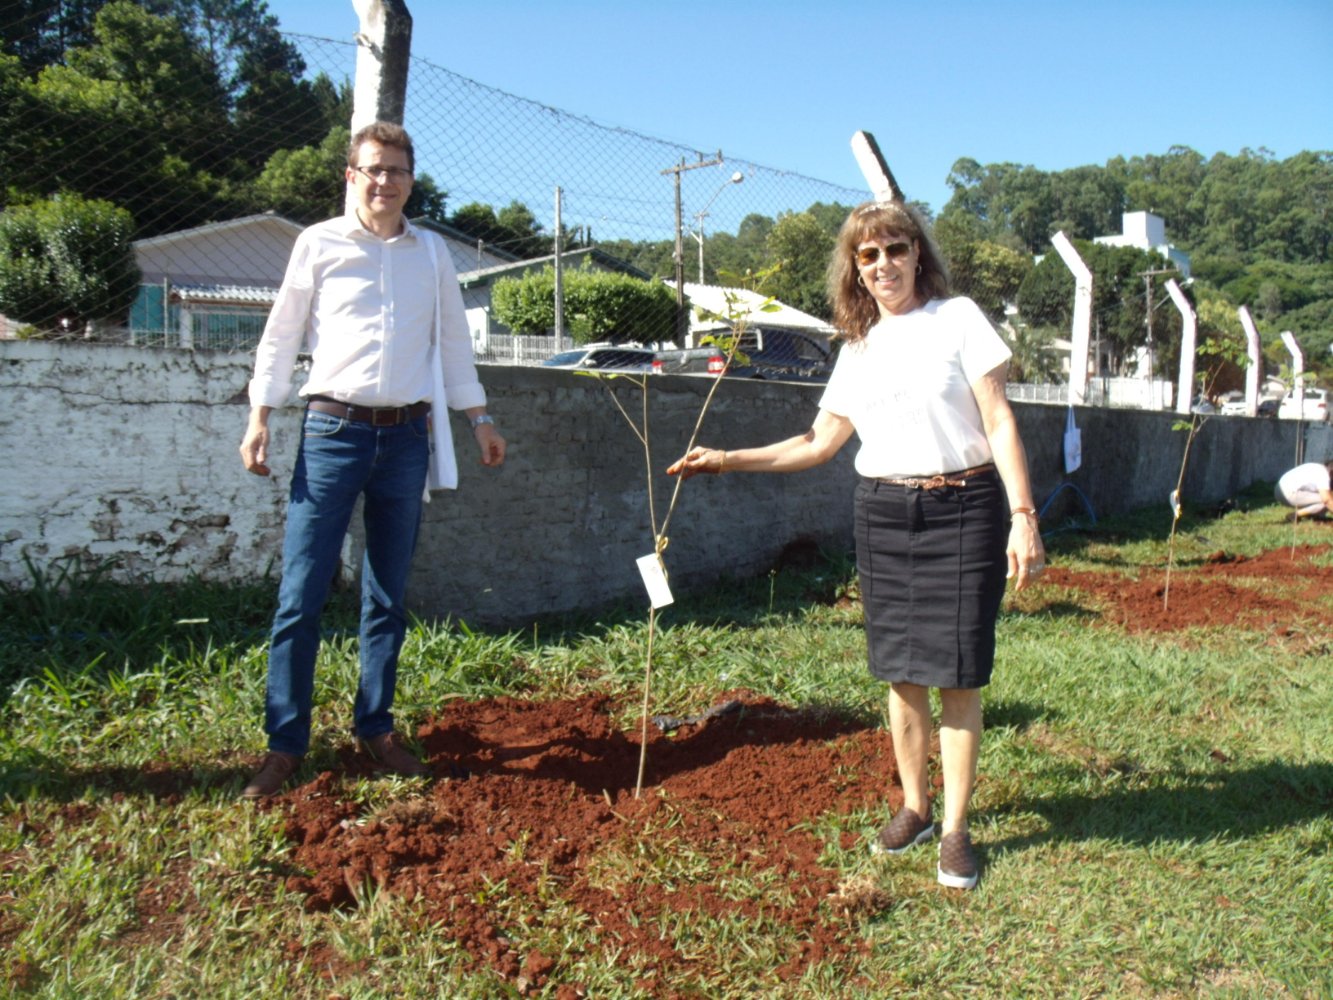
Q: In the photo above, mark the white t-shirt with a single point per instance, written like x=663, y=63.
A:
x=907, y=389
x=1303, y=482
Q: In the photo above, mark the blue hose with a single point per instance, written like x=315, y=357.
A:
x=1087, y=505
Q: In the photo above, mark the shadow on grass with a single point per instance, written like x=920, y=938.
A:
x=796, y=583
x=85, y=627
x=35, y=775
x=30, y=775
x=1153, y=523
x=1016, y=715
x=1056, y=609
x=1181, y=807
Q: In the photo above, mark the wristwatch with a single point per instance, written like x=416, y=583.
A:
x=482, y=419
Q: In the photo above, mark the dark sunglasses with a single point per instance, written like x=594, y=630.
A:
x=867, y=256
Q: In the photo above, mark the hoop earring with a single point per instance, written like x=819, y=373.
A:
x=861, y=281
x=918, y=270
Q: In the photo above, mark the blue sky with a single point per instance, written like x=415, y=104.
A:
x=785, y=84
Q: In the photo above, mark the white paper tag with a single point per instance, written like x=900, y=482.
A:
x=655, y=579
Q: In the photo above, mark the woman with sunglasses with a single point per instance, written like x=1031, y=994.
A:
x=943, y=509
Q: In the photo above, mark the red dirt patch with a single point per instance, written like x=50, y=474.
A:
x=550, y=807
x=1226, y=588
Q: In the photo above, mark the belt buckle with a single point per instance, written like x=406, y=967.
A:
x=933, y=483
x=385, y=416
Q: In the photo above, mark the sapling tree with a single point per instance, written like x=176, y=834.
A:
x=1221, y=353
x=737, y=318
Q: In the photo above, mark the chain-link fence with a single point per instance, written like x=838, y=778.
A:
x=212, y=225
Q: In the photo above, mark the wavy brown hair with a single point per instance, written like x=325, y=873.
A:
x=855, y=310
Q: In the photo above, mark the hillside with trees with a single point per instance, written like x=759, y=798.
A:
x=1257, y=229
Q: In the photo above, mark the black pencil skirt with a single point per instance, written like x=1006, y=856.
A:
x=932, y=568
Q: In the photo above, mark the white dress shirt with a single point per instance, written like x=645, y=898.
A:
x=365, y=309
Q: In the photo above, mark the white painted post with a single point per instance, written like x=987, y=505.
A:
x=1188, y=336
x=185, y=330
x=1082, y=325
x=1256, y=358
x=1297, y=370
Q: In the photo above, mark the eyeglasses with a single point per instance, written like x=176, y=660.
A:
x=867, y=256
x=377, y=174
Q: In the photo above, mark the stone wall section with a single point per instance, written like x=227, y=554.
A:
x=130, y=455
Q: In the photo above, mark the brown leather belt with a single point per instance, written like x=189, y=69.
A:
x=377, y=416
x=959, y=478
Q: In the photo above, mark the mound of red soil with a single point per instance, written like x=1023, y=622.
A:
x=550, y=804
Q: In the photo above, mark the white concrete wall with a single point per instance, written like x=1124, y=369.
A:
x=130, y=454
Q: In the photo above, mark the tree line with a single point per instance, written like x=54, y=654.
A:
x=123, y=120
x=1257, y=229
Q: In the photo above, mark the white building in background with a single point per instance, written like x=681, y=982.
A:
x=1147, y=232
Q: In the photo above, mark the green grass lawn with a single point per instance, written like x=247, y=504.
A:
x=1153, y=812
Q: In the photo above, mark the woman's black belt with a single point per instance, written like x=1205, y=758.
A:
x=958, y=478
x=378, y=416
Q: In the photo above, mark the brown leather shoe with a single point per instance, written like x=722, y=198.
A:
x=388, y=749
x=272, y=775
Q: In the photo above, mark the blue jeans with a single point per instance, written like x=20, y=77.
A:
x=338, y=461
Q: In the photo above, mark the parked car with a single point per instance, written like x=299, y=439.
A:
x=706, y=360
x=603, y=357
x=1202, y=404
x=1315, y=408
x=1268, y=407
x=790, y=355
x=1232, y=404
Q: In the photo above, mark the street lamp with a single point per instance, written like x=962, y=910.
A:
x=735, y=178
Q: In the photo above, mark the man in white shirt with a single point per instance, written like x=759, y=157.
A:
x=375, y=301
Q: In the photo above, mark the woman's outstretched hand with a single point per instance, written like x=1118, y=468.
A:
x=698, y=460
